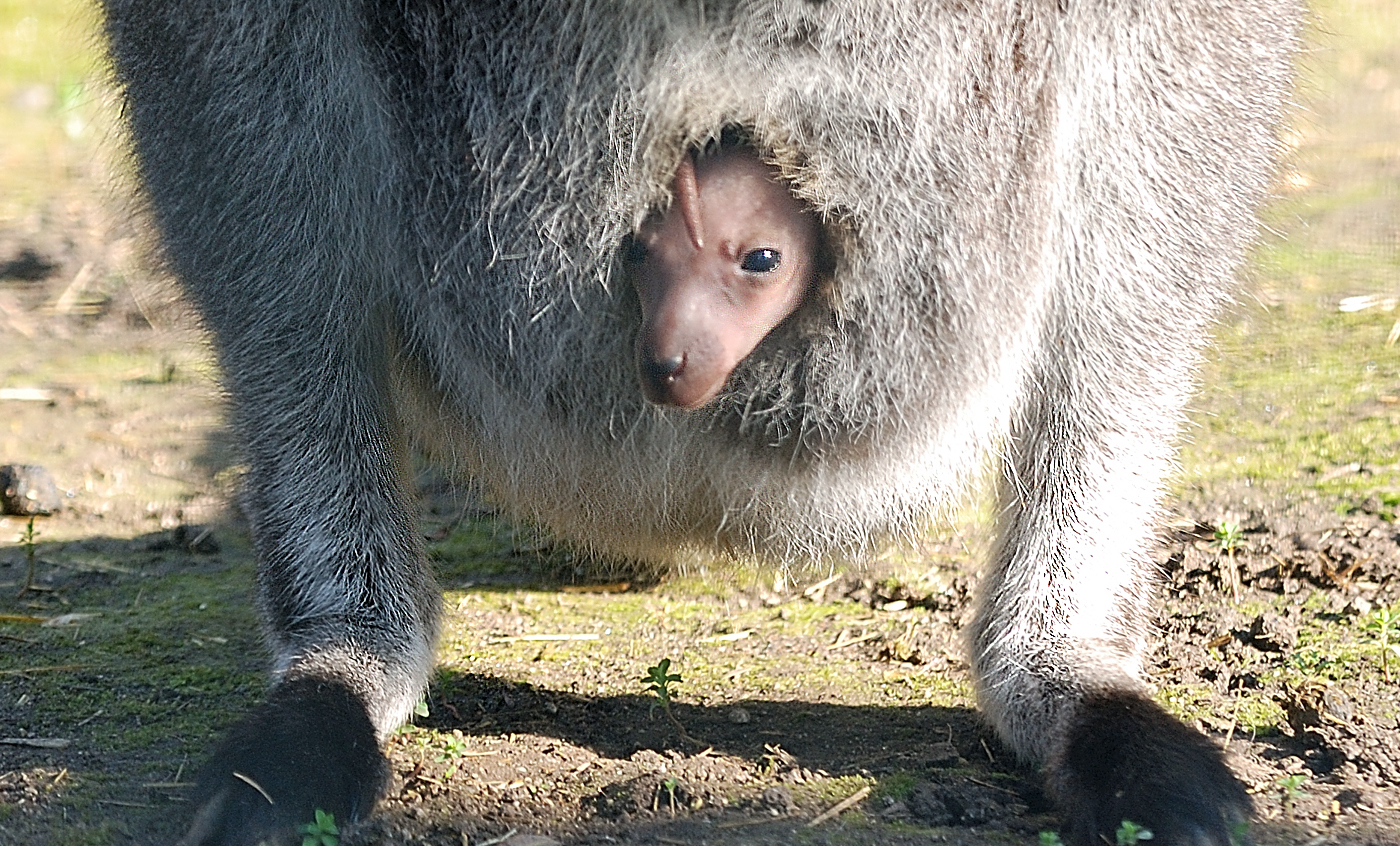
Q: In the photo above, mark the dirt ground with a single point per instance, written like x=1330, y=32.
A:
x=587, y=769
x=793, y=699
x=823, y=709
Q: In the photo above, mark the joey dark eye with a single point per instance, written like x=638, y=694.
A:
x=763, y=260
x=634, y=251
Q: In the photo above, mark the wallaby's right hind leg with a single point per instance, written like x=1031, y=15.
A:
x=270, y=167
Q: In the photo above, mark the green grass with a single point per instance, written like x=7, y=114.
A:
x=1295, y=391
x=53, y=109
x=183, y=659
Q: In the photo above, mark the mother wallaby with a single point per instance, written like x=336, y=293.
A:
x=848, y=250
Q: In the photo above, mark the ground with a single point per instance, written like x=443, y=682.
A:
x=1280, y=597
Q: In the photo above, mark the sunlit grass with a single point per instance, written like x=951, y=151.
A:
x=1296, y=391
x=52, y=102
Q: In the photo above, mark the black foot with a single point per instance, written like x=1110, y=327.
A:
x=1124, y=758
x=310, y=747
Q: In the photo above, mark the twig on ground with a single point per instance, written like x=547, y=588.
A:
x=840, y=806
x=541, y=638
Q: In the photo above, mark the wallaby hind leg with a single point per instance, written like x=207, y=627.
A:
x=269, y=165
x=349, y=605
x=1059, y=637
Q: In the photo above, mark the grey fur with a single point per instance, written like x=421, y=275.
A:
x=404, y=218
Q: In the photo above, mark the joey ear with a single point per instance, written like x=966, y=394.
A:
x=687, y=199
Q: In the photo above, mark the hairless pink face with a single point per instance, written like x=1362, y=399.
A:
x=729, y=261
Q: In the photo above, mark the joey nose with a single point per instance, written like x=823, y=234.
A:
x=661, y=377
x=663, y=371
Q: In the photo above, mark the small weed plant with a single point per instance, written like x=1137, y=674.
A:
x=1291, y=787
x=669, y=785
x=454, y=748
x=1384, y=625
x=322, y=832
x=1129, y=833
x=26, y=540
x=418, y=739
x=1228, y=538
x=659, y=681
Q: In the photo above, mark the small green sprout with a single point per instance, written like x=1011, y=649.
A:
x=669, y=785
x=454, y=746
x=1292, y=788
x=26, y=540
x=1384, y=623
x=1228, y=537
x=322, y=832
x=659, y=680
x=1130, y=833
